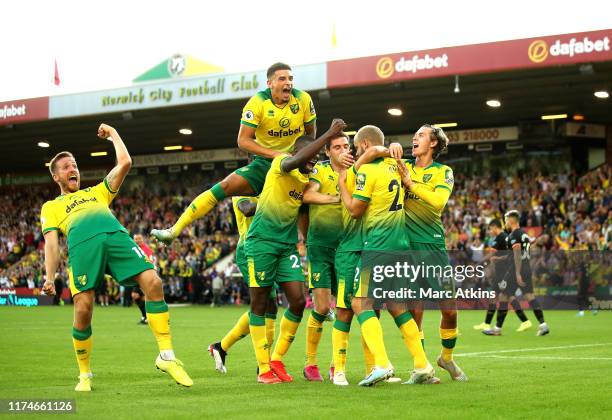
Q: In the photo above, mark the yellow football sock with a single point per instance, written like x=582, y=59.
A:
x=340, y=339
x=313, y=336
x=270, y=328
x=449, y=338
x=368, y=357
x=238, y=332
x=257, y=327
x=288, y=327
x=159, y=321
x=371, y=330
x=82, y=342
x=411, y=337
x=199, y=207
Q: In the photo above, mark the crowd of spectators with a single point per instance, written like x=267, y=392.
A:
x=561, y=211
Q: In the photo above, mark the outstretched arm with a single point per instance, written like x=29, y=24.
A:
x=310, y=151
x=313, y=196
x=124, y=162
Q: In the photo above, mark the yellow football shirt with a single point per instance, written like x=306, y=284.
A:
x=325, y=220
x=81, y=215
x=279, y=204
x=243, y=222
x=351, y=239
x=379, y=183
x=278, y=128
x=424, y=223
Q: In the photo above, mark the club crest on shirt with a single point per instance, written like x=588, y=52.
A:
x=427, y=177
x=448, y=177
x=360, y=181
x=294, y=108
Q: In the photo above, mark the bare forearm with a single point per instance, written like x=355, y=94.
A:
x=517, y=259
x=314, y=197
x=372, y=154
x=52, y=259
x=249, y=145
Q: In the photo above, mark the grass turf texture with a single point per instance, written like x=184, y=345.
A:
x=38, y=362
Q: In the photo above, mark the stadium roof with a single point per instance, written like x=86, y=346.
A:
x=356, y=90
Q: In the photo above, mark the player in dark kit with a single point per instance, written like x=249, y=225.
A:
x=520, y=272
x=499, y=256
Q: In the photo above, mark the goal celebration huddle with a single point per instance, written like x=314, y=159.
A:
x=364, y=198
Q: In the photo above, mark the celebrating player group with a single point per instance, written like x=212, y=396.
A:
x=373, y=201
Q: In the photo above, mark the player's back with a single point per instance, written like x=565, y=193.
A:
x=518, y=236
x=278, y=128
x=380, y=184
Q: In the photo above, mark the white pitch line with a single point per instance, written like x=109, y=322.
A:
x=479, y=353
x=493, y=356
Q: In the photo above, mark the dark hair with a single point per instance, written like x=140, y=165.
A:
x=496, y=223
x=57, y=157
x=339, y=136
x=302, y=141
x=438, y=134
x=274, y=67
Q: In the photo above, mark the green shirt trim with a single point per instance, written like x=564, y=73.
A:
x=443, y=186
x=311, y=121
x=49, y=229
x=361, y=197
x=314, y=180
x=248, y=124
x=108, y=187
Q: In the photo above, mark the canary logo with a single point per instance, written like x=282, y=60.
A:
x=538, y=51
x=384, y=68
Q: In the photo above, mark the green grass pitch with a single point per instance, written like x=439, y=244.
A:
x=567, y=374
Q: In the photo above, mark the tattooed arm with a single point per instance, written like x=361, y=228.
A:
x=124, y=162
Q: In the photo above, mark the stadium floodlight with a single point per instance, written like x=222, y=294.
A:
x=99, y=153
x=445, y=125
x=602, y=94
x=494, y=103
x=350, y=133
x=178, y=147
x=578, y=117
x=43, y=144
x=554, y=117
x=47, y=164
x=396, y=112
x=185, y=131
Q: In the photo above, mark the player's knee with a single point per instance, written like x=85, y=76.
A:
x=322, y=308
x=297, y=304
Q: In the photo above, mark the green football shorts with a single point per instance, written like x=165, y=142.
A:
x=241, y=262
x=270, y=262
x=435, y=257
x=255, y=173
x=347, y=272
x=113, y=253
x=321, y=271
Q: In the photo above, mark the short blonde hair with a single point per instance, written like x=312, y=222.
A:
x=53, y=163
x=371, y=133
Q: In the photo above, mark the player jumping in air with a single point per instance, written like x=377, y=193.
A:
x=272, y=254
x=99, y=244
x=271, y=122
